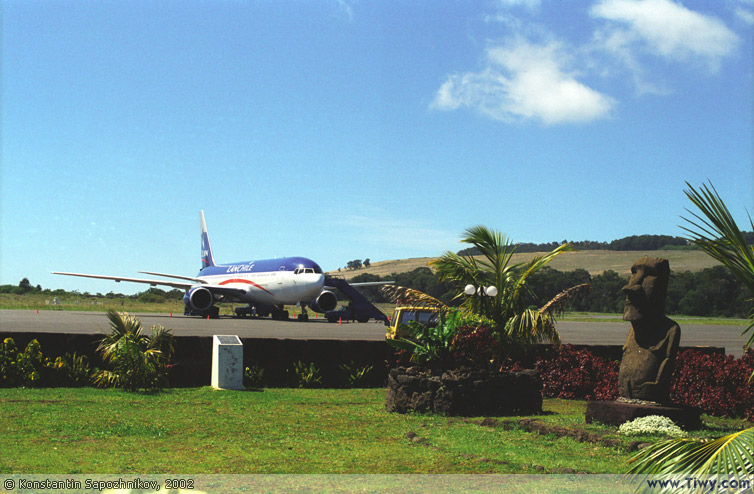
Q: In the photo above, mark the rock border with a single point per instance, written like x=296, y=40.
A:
x=463, y=392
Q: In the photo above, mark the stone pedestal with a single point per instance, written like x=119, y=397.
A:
x=227, y=362
x=617, y=413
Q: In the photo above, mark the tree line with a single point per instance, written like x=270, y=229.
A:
x=712, y=292
x=152, y=295
x=634, y=242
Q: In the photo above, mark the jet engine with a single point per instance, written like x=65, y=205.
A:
x=324, y=302
x=199, y=299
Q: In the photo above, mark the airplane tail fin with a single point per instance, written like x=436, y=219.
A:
x=207, y=258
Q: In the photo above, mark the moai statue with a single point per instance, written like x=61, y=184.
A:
x=652, y=343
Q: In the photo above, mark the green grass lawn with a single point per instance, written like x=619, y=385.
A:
x=202, y=430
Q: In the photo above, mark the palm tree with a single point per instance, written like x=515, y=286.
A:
x=719, y=236
x=138, y=360
x=517, y=325
x=715, y=232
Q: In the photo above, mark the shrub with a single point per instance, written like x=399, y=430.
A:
x=571, y=373
x=8, y=372
x=651, y=424
x=355, y=376
x=29, y=368
x=475, y=345
x=715, y=383
x=430, y=343
x=32, y=369
x=138, y=360
x=70, y=371
x=254, y=377
x=306, y=376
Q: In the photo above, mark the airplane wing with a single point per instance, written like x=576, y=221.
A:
x=365, y=283
x=118, y=279
x=215, y=289
x=177, y=277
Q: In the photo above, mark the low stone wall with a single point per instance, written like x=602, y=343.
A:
x=463, y=392
x=192, y=361
x=193, y=355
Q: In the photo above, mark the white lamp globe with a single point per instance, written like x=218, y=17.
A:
x=491, y=291
x=469, y=290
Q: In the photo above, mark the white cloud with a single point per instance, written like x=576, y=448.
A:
x=618, y=44
x=744, y=10
x=668, y=29
x=346, y=8
x=525, y=81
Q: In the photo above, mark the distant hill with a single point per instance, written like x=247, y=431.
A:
x=594, y=261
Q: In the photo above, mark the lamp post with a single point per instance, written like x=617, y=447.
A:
x=490, y=291
x=484, y=294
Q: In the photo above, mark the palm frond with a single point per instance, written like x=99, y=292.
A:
x=531, y=327
x=462, y=269
x=410, y=296
x=538, y=263
x=121, y=325
x=718, y=235
x=557, y=304
x=728, y=455
x=493, y=245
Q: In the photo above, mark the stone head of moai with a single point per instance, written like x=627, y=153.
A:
x=646, y=289
x=653, y=340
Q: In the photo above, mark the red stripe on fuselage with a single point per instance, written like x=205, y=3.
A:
x=248, y=282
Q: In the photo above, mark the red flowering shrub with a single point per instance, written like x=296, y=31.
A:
x=474, y=344
x=715, y=383
x=571, y=373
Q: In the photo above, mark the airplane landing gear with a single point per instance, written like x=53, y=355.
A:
x=304, y=316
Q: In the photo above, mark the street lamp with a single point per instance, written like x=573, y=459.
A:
x=490, y=291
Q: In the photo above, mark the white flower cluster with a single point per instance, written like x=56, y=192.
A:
x=651, y=424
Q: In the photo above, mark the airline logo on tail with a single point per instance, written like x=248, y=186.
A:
x=207, y=258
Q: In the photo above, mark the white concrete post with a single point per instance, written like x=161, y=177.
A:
x=227, y=362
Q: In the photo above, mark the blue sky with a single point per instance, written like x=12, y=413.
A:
x=341, y=130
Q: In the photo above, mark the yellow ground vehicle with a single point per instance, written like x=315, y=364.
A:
x=402, y=315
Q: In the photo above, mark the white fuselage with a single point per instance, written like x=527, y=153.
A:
x=271, y=287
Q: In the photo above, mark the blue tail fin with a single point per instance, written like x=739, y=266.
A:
x=207, y=258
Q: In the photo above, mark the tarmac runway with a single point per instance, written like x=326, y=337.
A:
x=576, y=332
x=80, y=322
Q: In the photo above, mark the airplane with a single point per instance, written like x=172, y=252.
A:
x=266, y=285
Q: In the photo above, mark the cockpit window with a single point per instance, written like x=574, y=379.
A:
x=304, y=271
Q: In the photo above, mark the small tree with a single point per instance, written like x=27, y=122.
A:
x=139, y=361
x=25, y=285
x=516, y=325
x=355, y=264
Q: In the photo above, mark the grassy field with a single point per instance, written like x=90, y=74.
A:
x=594, y=261
x=283, y=431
